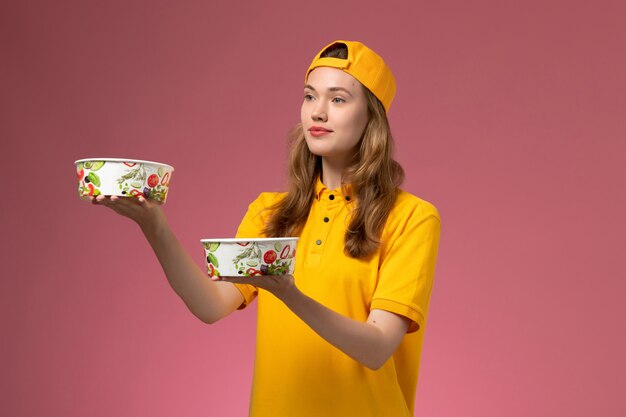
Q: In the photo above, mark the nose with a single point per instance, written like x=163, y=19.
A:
x=318, y=112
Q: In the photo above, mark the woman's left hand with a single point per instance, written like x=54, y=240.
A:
x=279, y=285
x=371, y=343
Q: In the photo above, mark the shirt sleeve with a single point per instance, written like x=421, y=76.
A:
x=252, y=226
x=407, y=270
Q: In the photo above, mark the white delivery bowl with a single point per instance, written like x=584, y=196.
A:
x=250, y=257
x=123, y=177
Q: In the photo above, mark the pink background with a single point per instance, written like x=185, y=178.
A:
x=510, y=118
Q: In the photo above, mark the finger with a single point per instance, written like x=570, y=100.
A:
x=261, y=282
x=99, y=199
x=115, y=203
x=235, y=280
x=115, y=200
x=232, y=280
x=103, y=200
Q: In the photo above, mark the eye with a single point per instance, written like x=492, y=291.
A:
x=338, y=100
x=308, y=97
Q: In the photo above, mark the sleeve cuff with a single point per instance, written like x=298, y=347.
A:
x=414, y=314
x=249, y=292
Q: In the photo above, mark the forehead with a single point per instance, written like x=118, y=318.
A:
x=323, y=78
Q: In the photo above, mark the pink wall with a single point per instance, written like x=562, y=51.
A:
x=510, y=117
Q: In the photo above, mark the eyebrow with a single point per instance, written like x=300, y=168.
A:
x=310, y=87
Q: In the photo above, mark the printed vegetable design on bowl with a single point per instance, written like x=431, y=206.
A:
x=250, y=256
x=251, y=261
x=132, y=183
x=211, y=259
x=89, y=182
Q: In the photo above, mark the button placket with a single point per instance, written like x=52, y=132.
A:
x=329, y=205
x=324, y=212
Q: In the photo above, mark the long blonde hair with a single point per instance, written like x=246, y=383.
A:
x=374, y=177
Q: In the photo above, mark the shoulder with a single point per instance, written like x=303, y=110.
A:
x=262, y=206
x=259, y=210
x=266, y=200
x=411, y=222
x=410, y=207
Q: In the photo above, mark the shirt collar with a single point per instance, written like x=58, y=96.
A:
x=345, y=191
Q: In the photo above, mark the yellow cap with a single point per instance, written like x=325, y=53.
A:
x=363, y=64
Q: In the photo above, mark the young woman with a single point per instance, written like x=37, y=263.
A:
x=343, y=335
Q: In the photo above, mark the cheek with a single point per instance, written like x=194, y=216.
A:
x=304, y=112
x=360, y=123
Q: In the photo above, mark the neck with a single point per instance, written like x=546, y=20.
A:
x=332, y=173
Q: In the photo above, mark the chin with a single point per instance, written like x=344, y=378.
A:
x=314, y=144
x=317, y=148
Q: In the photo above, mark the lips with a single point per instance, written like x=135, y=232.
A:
x=318, y=131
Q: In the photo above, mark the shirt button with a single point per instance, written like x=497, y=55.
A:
x=326, y=219
x=331, y=197
x=318, y=242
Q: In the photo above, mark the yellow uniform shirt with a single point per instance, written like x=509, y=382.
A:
x=297, y=373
